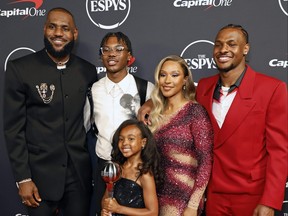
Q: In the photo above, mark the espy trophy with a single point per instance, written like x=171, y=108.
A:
x=110, y=174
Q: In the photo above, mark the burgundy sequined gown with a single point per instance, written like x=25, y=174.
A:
x=184, y=142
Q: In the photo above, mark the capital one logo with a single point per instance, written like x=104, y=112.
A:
x=200, y=3
x=278, y=63
x=26, y=11
x=108, y=14
x=199, y=58
x=37, y=3
x=283, y=6
x=131, y=69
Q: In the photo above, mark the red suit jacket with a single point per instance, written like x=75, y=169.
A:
x=250, y=150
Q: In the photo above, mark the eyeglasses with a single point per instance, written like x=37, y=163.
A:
x=117, y=50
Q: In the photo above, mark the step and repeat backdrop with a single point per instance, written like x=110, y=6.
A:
x=156, y=28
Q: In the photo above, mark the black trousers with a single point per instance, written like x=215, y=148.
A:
x=99, y=185
x=75, y=200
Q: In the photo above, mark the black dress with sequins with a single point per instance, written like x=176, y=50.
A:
x=128, y=193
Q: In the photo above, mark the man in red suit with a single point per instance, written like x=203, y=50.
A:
x=248, y=111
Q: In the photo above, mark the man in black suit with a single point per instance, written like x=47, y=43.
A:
x=45, y=93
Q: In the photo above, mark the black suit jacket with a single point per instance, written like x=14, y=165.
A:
x=43, y=120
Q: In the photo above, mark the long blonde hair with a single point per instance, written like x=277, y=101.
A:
x=159, y=101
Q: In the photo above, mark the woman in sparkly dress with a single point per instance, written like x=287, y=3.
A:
x=184, y=138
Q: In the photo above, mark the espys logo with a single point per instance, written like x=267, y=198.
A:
x=21, y=51
x=26, y=12
x=108, y=14
x=283, y=6
x=199, y=58
x=199, y=3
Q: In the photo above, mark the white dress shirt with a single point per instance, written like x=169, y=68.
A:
x=221, y=108
x=113, y=104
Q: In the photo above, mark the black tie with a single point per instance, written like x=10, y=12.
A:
x=217, y=91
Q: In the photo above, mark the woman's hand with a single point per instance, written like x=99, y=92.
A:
x=190, y=212
x=111, y=205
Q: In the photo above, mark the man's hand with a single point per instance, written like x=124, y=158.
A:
x=143, y=112
x=262, y=210
x=29, y=194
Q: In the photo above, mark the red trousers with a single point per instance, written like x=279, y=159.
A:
x=231, y=205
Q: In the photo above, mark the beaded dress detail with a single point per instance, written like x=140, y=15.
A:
x=184, y=142
x=128, y=193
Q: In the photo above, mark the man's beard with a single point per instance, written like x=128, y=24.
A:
x=225, y=70
x=66, y=51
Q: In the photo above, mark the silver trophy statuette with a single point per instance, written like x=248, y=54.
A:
x=110, y=174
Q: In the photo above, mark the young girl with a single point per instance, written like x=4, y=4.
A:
x=135, y=151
